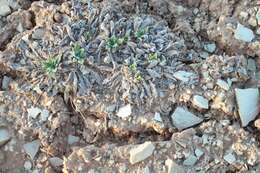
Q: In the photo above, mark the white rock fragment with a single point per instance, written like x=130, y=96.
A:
x=190, y=161
x=141, y=152
x=5, y=83
x=248, y=104
x=33, y=112
x=27, y=165
x=125, y=111
x=44, y=115
x=55, y=161
x=146, y=169
x=4, y=8
x=223, y=84
x=258, y=17
x=32, y=148
x=251, y=65
x=157, y=117
x=173, y=167
x=200, y=102
x=182, y=119
x=243, y=33
x=257, y=31
x=257, y=124
x=230, y=158
x=72, y=139
x=198, y=152
x=210, y=47
x=184, y=76
x=4, y=136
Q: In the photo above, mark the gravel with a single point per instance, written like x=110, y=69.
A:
x=31, y=148
x=141, y=152
x=4, y=136
x=243, y=33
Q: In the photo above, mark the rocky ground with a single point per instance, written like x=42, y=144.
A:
x=136, y=86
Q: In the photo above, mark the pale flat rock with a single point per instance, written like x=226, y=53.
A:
x=257, y=124
x=173, y=167
x=4, y=8
x=72, y=139
x=5, y=82
x=55, y=161
x=27, y=165
x=200, y=102
x=258, y=17
x=33, y=112
x=44, y=115
x=223, y=84
x=230, y=158
x=184, y=76
x=141, y=152
x=157, y=117
x=190, y=161
x=182, y=118
x=243, y=33
x=4, y=136
x=199, y=153
x=32, y=148
x=124, y=111
x=248, y=104
x=147, y=170
x=210, y=47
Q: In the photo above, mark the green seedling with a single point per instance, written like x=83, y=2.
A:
x=87, y=35
x=78, y=53
x=50, y=65
x=140, y=33
x=113, y=42
x=138, y=76
x=133, y=67
x=152, y=56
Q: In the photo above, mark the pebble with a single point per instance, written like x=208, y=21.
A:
x=72, y=139
x=258, y=17
x=223, y=84
x=174, y=167
x=247, y=100
x=243, y=33
x=251, y=66
x=4, y=136
x=141, y=152
x=38, y=34
x=182, y=119
x=55, y=161
x=5, y=83
x=44, y=115
x=230, y=158
x=184, y=76
x=257, y=124
x=146, y=169
x=258, y=31
x=125, y=111
x=4, y=8
x=210, y=47
x=32, y=148
x=200, y=102
x=157, y=117
x=198, y=152
x=190, y=161
x=27, y=165
x=33, y=112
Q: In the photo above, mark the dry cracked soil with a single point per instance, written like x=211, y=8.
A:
x=129, y=86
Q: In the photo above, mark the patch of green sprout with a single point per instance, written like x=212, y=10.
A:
x=78, y=53
x=133, y=67
x=140, y=33
x=138, y=76
x=153, y=56
x=50, y=65
x=113, y=42
x=87, y=35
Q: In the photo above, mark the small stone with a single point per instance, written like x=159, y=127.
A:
x=251, y=66
x=33, y=112
x=244, y=15
x=210, y=47
x=32, y=148
x=55, y=161
x=204, y=55
x=146, y=169
x=223, y=84
x=230, y=158
x=198, y=153
x=257, y=75
x=157, y=117
x=243, y=33
x=27, y=165
x=141, y=152
x=182, y=119
x=174, y=167
x=258, y=31
x=5, y=83
x=44, y=115
x=257, y=124
x=125, y=111
x=184, y=76
x=258, y=17
x=190, y=161
x=4, y=8
x=252, y=21
x=38, y=34
x=4, y=136
x=72, y=139
x=200, y=102
x=36, y=171
x=247, y=100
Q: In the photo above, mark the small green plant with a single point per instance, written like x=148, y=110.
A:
x=153, y=56
x=50, y=65
x=138, y=76
x=136, y=73
x=78, y=53
x=140, y=33
x=133, y=67
x=113, y=42
x=87, y=35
